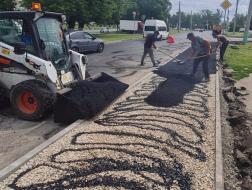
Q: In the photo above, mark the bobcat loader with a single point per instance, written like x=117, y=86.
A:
x=38, y=73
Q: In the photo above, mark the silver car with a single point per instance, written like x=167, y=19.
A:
x=81, y=41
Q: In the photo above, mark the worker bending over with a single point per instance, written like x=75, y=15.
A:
x=201, y=51
x=222, y=44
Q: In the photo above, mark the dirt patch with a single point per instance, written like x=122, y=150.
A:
x=237, y=128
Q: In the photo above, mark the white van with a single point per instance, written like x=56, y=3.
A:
x=152, y=25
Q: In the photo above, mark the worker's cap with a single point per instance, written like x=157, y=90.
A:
x=190, y=35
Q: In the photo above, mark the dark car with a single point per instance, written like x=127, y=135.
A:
x=81, y=41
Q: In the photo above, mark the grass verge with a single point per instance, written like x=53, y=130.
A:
x=118, y=37
x=240, y=60
x=111, y=37
x=236, y=35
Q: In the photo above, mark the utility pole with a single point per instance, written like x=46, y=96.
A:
x=179, y=19
x=225, y=21
x=191, y=22
x=246, y=33
x=236, y=10
x=228, y=21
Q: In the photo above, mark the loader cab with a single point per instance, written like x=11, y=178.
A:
x=41, y=32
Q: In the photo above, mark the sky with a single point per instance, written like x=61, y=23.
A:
x=197, y=5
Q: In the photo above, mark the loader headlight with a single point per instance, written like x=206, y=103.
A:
x=84, y=60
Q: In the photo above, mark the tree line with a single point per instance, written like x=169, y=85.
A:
x=105, y=12
x=204, y=19
x=110, y=12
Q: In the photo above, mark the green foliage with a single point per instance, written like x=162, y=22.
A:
x=119, y=37
x=202, y=19
x=240, y=23
x=105, y=11
x=147, y=9
x=7, y=5
x=74, y=9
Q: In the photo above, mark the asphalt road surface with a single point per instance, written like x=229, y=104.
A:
x=120, y=60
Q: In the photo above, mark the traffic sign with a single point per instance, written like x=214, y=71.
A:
x=226, y=4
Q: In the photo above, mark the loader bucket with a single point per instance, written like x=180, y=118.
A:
x=87, y=98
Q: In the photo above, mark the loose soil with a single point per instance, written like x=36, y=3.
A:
x=237, y=128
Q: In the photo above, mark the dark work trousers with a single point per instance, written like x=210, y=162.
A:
x=223, y=50
x=204, y=61
x=150, y=52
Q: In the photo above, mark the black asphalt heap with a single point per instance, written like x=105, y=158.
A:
x=87, y=98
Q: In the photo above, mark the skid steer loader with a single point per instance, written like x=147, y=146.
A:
x=38, y=73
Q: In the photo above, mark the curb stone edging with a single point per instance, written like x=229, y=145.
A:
x=22, y=160
x=219, y=177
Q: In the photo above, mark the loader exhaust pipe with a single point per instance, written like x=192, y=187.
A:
x=85, y=99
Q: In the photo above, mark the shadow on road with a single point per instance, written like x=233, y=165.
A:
x=178, y=83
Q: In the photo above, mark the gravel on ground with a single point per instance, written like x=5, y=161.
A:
x=158, y=135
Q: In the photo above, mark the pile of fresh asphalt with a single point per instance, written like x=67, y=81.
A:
x=87, y=98
x=237, y=138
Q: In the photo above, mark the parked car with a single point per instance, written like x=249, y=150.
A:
x=81, y=41
x=104, y=30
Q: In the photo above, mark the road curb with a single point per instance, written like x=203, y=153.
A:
x=219, y=177
x=22, y=160
x=119, y=41
x=19, y=162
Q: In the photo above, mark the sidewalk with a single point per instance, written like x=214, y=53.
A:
x=158, y=135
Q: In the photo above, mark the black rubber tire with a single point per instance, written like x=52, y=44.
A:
x=45, y=98
x=76, y=49
x=100, y=48
x=3, y=98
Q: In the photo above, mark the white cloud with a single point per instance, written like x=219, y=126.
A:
x=196, y=5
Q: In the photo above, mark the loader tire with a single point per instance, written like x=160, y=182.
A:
x=3, y=98
x=31, y=100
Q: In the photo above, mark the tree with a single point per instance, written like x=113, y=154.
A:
x=7, y=5
x=205, y=18
x=240, y=22
x=157, y=9
x=105, y=11
x=73, y=9
x=100, y=11
x=119, y=10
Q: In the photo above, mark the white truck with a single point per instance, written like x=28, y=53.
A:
x=130, y=25
x=152, y=25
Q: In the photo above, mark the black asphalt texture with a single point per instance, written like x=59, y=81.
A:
x=122, y=59
x=87, y=98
